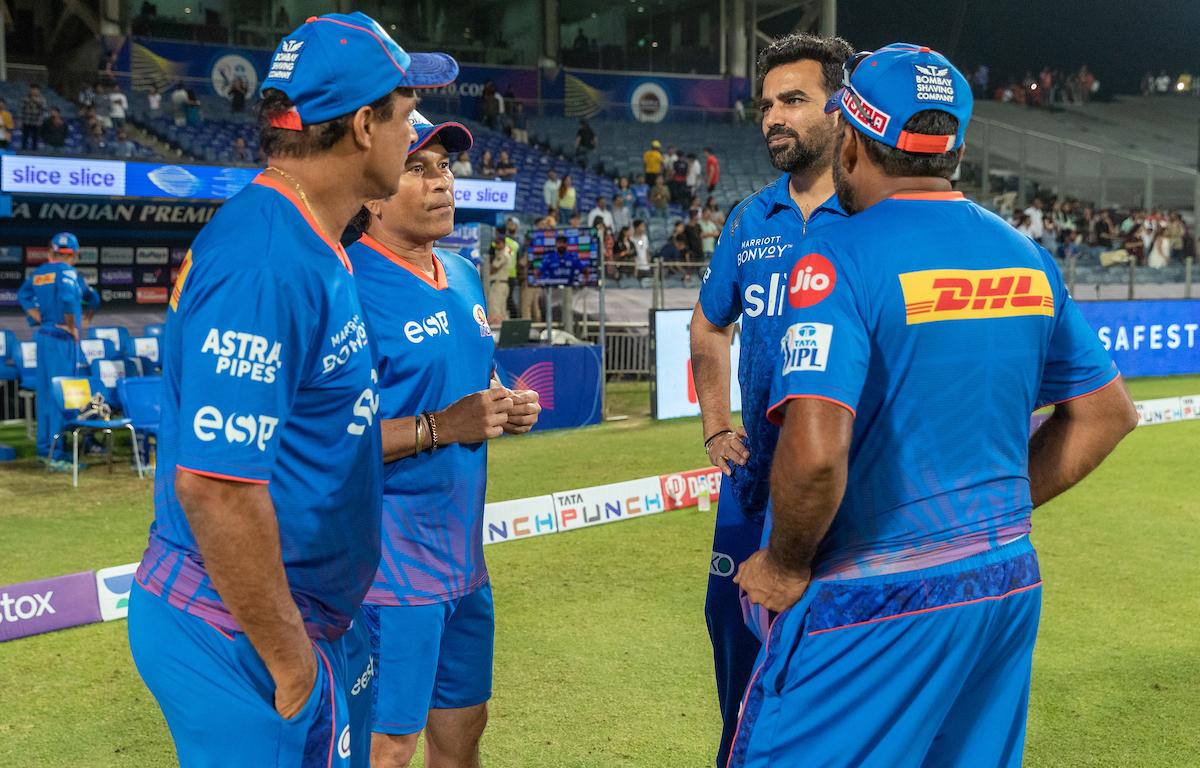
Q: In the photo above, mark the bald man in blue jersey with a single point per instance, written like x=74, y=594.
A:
x=897, y=579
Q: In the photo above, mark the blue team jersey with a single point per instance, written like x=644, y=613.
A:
x=57, y=291
x=942, y=328
x=434, y=346
x=748, y=276
x=269, y=378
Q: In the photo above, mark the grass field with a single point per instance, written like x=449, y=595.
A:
x=602, y=659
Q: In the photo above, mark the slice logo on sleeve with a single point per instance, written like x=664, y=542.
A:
x=811, y=281
x=805, y=347
x=934, y=295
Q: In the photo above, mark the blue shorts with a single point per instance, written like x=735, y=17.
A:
x=925, y=668
x=735, y=647
x=218, y=698
x=436, y=656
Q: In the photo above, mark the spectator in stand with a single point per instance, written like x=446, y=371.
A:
x=531, y=305
x=712, y=169
x=641, y=249
x=487, y=166
x=659, y=196
x=550, y=189
x=585, y=143
x=624, y=192
x=601, y=210
x=520, y=123
x=641, y=198
x=103, y=106
x=693, y=236
x=713, y=212
x=1034, y=212
x=1176, y=232
x=237, y=94
x=118, y=106
x=6, y=125
x=55, y=130
x=1104, y=231
x=980, y=80
x=566, y=199
x=123, y=146
x=154, y=101
x=489, y=105
x=179, y=102
x=680, y=192
x=1021, y=222
x=575, y=221
x=95, y=142
x=673, y=251
x=241, y=153
x=192, y=109
x=621, y=216
x=86, y=96
x=622, y=253
x=461, y=167
x=652, y=161
x=504, y=167
x=710, y=230
x=1162, y=83
x=669, y=160
x=605, y=242
x=694, y=173
x=33, y=114
x=500, y=263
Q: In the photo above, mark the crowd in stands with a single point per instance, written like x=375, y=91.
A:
x=1162, y=84
x=1051, y=87
x=34, y=118
x=1075, y=230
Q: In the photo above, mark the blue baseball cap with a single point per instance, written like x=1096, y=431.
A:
x=64, y=242
x=881, y=91
x=333, y=64
x=454, y=136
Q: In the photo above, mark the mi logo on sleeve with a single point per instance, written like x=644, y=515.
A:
x=975, y=294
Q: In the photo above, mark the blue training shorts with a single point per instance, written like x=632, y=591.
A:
x=218, y=698
x=436, y=656
x=924, y=668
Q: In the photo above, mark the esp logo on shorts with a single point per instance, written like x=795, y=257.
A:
x=812, y=279
x=934, y=295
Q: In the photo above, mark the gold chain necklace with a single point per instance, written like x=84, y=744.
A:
x=299, y=190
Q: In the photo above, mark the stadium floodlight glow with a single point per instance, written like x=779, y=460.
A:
x=1179, y=86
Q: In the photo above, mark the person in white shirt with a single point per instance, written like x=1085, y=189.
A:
x=621, y=217
x=694, y=172
x=462, y=166
x=154, y=99
x=550, y=190
x=118, y=106
x=602, y=211
x=1036, y=226
x=641, y=248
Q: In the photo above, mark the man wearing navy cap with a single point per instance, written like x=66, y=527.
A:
x=897, y=568
x=429, y=609
x=53, y=298
x=268, y=492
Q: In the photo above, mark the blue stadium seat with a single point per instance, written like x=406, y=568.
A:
x=142, y=397
x=117, y=334
x=108, y=373
x=70, y=395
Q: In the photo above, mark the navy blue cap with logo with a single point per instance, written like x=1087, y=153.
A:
x=883, y=89
x=333, y=64
x=454, y=137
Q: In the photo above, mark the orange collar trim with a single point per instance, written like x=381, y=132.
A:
x=437, y=282
x=928, y=196
x=290, y=194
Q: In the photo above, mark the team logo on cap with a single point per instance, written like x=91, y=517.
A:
x=933, y=83
x=283, y=63
x=868, y=116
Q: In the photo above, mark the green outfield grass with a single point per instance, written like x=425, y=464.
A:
x=602, y=659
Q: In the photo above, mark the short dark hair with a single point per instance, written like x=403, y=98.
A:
x=897, y=162
x=830, y=52
x=318, y=137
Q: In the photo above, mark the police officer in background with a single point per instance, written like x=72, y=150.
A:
x=54, y=298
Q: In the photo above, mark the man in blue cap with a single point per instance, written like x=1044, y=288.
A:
x=269, y=485
x=54, y=297
x=429, y=609
x=902, y=591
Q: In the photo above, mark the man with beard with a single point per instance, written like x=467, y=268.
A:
x=748, y=277
x=898, y=561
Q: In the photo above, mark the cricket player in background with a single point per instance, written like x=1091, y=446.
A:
x=897, y=566
x=54, y=298
x=748, y=277
x=429, y=610
x=269, y=485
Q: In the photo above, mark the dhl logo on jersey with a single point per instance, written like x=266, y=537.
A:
x=45, y=279
x=179, y=280
x=975, y=294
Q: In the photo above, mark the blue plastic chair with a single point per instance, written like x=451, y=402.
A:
x=9, y=375
x=26, y=365
x=71, y=394
x=95, y=349
x=108, y=373
x=145, y=352
x=142, y=397
x=117, y=334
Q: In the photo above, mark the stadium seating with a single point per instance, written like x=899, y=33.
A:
x=142, y=398
x=70, y=395
x=145, y=352
x=14, y=92
x=108, y=373
x=118, y=335
x=211, y=140
x=96, y=349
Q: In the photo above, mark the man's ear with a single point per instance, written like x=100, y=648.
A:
x=375, y=207
x=363, y=125
x=850, y=149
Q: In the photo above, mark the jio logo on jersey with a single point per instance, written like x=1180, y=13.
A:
x=811, y=281
x=805, y=347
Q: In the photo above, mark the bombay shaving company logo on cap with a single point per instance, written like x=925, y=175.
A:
x=933, y=83
x=283, y=63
